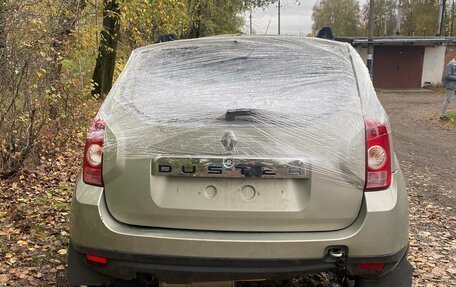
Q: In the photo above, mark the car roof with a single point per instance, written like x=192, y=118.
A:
x=323, y=43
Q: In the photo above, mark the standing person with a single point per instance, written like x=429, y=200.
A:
x=449, y=82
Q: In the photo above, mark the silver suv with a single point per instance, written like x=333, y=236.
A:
x=236, y=158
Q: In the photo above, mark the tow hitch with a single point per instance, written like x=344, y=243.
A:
x=338, y=255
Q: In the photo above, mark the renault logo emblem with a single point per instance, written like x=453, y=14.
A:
x=229, y=141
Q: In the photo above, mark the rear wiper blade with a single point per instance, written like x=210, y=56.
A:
x=234, y=114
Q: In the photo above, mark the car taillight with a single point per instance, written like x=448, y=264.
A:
x=93, y=156
x=378, y=163
x=96, y=259
x=377, y=266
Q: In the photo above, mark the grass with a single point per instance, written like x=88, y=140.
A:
x=451, y=117
x=449, y=124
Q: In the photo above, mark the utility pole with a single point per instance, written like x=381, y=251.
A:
x=370, y=45
x=267, y=28
x=251, y=30
x=385, y=32
x=96, y=23
x=278, y=6
x=399, y=18
x=441, y=17
x=452, y=18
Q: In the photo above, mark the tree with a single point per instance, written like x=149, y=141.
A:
x=2, y=38
x=384, y=15
x=420, y=17
x=106, y=59
x=2, y=27
x=209, y=17
x=142, y=22
x=341, y=15
x=66, y=22
x=36, y=37
x=252, y=4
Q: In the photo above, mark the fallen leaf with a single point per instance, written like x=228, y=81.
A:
x=3, y=278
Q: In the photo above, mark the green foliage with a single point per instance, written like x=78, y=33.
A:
x=384, y=11
x=341, y=15
x=143, y=21
x=451, y=117
x=37, y=82
x=420, y=17
x=209, y=17
x=251, y=4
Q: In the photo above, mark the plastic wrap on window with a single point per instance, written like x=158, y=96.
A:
x=243, y=97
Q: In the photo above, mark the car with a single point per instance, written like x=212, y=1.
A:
x=236, y=157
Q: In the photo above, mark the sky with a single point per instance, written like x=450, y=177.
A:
x=295, y=19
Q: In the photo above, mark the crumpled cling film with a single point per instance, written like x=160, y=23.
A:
x=273, y=97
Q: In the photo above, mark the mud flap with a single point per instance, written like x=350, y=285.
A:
x=78, y=273
x=400, y=277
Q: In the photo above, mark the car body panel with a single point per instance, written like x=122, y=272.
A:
x=380, y=229
x=206, y=80
x=147, y=215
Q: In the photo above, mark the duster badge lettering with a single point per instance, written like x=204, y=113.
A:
x=230, y=167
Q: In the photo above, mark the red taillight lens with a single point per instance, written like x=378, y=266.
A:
x=93, y=157
x=371, y=266
x=97, y=259
x=378, y=169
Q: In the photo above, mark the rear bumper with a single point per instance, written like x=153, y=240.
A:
x=380, y=231
x=194, y=269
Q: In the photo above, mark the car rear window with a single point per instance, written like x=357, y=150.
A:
x=199, y=80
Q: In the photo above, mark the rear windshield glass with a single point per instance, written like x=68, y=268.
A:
x=201, y=80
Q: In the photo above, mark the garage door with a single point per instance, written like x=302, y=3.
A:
x=398, y=67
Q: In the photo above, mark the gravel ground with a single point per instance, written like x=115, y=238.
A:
x=426, y=150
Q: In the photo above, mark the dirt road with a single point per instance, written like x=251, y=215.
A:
x=427, y=153
x=422, y=146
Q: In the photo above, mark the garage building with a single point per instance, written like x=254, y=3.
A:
x=402, y=62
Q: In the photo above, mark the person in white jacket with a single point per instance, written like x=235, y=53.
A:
x=449, y=82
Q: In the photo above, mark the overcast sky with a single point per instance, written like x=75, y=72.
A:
x=295, y=19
